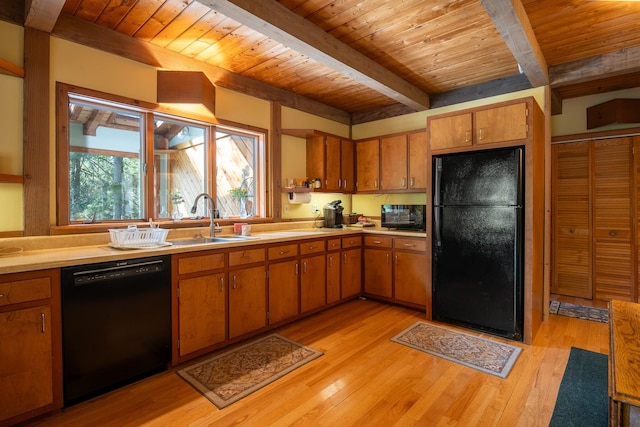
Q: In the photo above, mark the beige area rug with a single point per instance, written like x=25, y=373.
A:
x=485, y=355
x=230, y=376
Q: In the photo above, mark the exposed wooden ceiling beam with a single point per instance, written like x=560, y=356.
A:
x=624, y=61
x=511, y=21
x=42, y=14
x=98, y=37
x=280, y=24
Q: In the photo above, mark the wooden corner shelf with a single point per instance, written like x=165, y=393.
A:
x=297, y=189
x=11, y=179
x=10, y=69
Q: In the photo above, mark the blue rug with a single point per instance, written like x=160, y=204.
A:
x=583, y=399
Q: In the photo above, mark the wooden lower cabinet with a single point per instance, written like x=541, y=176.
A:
x=351, y=274
x=333, y=276
x=395, y=269
x=201, y=299
x=283, y=291
x=410, y=279
x=30, y=345
x=247, y=300
x=203, y=315
x=378, y=272
x=313, y=283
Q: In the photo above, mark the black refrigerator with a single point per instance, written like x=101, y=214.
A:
x=478, y=238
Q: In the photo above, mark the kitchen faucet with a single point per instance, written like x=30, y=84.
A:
x=212, y=228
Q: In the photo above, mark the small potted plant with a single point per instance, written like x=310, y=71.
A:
x=176, y=200
x=240, y=194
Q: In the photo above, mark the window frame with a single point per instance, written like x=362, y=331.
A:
x=149, y=111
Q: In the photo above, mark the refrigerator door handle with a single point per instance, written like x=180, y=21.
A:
x=437, y=178
x=437, y=226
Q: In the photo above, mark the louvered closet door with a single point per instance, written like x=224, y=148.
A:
x=572, y=254
x=614, y=276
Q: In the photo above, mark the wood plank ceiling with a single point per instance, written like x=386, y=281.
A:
x=359, y=60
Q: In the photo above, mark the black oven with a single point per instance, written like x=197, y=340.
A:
x=404, y=217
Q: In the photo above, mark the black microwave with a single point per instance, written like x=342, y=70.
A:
x=404, y=217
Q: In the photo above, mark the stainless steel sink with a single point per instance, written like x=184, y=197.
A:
x=207, y=240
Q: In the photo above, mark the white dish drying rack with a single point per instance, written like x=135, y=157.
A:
x=138, y=238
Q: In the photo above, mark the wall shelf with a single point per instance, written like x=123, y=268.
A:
x=297, y=189
x=11, y=179
x=10, y=69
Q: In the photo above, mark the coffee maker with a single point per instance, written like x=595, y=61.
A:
x=333, y=214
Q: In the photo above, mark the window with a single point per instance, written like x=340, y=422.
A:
x=123, y=161
x=105, y=162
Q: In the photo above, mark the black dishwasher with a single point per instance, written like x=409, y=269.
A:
x=116, y=323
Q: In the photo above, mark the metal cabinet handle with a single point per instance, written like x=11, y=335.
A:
x=344, y=184
x=296, y=268
x=404, y=181
x=339, y=183
x=396, y=259
x=222, y=284
x=466, y=135
x=481, y=136
x=375, y=183
x=377, y=242
x=311, y=248
x=284, y=252
x=304, y=267
x=235, y=281
x=388, y=258
x=330, y=261
x=413, y=182
x=409, y=245
x=345, y=258
x=1, y=295
x=43, y=322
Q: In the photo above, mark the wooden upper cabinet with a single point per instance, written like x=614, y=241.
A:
x=506, y=123
x=333, y=168
x=450, y=131
x=315, y=158
x=348, y=166
x=485, y=125
x=417, y=160
x=393, y=163
x=571, y=220
x=368, y=165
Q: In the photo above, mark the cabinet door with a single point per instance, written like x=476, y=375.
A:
x=202, y=312
x=500, y=124
x=247, y=301
x=313, y=292
x=418, y=160
x=450, y=131
x=283, y=291
x=26, y=368
x=351, y=273
x=315, y=158
x=377, y=272
x=410, y=278
x=613, y=263
x=333, y=166
x=393, y=163
x=348, y=166
x=368, y=165
x=571, y=220
x=333, y=277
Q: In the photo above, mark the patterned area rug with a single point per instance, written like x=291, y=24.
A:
x=579, y=311
x=482, y=354
x=230, y=376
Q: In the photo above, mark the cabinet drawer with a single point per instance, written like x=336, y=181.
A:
x=312, y=247
x=378, y=241
x=410, y=244
x=248, y=256
x=203, y=262
x=25, y=290
x=351, y=242
x=284, y=251
x=333, y=244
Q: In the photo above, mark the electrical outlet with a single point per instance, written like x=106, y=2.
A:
x=314, y=209
x=286, y=209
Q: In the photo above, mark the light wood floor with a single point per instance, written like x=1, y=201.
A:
x=362, y=379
